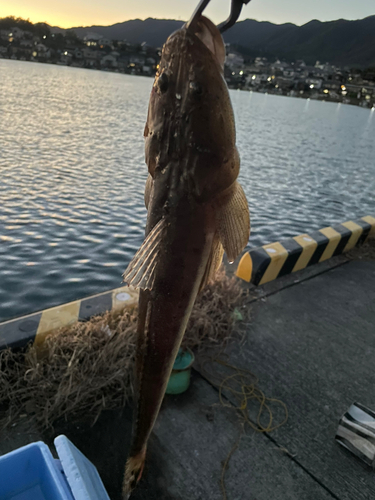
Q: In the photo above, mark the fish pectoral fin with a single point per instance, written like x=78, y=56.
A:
x=233, y=221
x=148, y=189
x=214, y=261
x=140, y=273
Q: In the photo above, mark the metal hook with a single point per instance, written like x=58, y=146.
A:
x=234, y=13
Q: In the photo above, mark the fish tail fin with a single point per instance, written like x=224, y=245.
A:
x=133, y=473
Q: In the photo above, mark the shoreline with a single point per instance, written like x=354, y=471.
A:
x=314, y=97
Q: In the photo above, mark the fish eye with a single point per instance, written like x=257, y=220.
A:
x=196, y=88
x=162, y=83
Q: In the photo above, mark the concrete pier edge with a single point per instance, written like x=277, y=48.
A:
x=258, y=266
x=32, y=329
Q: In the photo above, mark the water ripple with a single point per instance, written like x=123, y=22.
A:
x=72, y=175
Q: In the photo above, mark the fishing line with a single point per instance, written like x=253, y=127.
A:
x=241, y=386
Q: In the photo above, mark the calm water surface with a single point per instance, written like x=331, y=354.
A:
x=72, y=175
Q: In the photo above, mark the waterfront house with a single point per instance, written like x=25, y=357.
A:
x=314, y=83
x=66, y=58
x=16, y=33
x=42, y=52
x=123, y=63
x=147, y=70
x=27, y=44
x=260, y=62
x=234, y=61
x=257, y=79
x=137, y=60
x=289, y=72
x=78, y=53
x=104, y=42
x=91, y=57
x=108, y=61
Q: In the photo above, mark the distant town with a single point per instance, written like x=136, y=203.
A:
x=25, y=41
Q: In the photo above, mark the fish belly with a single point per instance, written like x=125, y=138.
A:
x=162, y=318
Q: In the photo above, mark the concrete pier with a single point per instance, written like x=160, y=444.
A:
x=311, y=342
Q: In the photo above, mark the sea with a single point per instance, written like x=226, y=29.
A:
x=72, y=175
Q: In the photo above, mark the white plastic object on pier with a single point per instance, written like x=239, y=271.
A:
x=31, y=473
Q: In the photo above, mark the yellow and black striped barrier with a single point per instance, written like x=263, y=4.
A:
x=274, y=260
x=33, y=328
x=259, y=266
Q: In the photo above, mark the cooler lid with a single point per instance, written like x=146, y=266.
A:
x=82, y=476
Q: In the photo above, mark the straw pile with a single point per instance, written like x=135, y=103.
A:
x=88, y=367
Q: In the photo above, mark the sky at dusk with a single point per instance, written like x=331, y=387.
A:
x=70, y=13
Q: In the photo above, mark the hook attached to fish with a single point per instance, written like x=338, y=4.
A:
x=235, y=12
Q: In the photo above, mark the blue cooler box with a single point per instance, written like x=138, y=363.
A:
x=31, y=473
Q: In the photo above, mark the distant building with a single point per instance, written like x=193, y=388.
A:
x=92, y=37
x=4, y=34
x=66, y=58
x=257, y=79
x=16, y=33
x=108, y=61
x=289, y=73
x=104, y=42
x=78, y=53
x=137, y=59
x=234, y=60
x=260, y=62
x=27, y=44
x=331, y=85
x=314, y=83
x=123, y=62
x=90, y=56
x=42, y=52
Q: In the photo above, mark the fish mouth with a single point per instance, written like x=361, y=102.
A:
x=210, y=35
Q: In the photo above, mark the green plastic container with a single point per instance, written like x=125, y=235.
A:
x=179, y=380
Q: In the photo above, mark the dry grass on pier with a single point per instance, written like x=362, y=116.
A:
x=88, y=367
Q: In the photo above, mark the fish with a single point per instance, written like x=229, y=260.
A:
x=196, y=211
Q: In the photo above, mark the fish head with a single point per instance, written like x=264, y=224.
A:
x=190, y=119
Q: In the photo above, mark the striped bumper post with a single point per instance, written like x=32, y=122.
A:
x=266, y=263
x=34, y=328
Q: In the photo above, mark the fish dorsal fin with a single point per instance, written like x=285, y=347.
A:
x=140, y=273
x=148, y=189
x=214, y=261
x=233, y=221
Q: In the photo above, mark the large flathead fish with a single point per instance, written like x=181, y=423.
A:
x=196, y=211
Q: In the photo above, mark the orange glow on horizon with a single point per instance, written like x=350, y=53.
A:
x=73, y=13
x=63, y=19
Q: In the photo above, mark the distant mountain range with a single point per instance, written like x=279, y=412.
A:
x=341, y=42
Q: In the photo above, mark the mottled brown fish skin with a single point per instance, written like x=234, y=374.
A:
x=191, y=123
x=193, y=164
